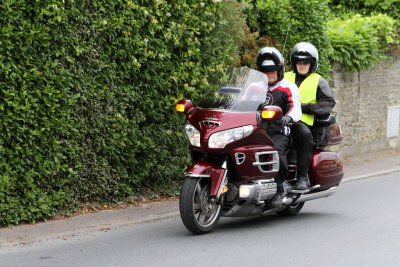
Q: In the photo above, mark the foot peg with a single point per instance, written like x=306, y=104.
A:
x=296, y=191
x=302, y=183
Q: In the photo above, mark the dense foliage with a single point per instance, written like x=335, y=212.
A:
x=367, y=7
x=293, y=21
x=336, y=28
x=87, y=99
x=361, y=41
x=364, y=31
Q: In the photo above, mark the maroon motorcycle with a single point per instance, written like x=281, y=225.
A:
x=235, y=161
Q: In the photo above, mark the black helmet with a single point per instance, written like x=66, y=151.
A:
x=270, y=59
x=306, y=53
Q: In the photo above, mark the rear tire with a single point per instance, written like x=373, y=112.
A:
x=197, y=213
x=291, y=210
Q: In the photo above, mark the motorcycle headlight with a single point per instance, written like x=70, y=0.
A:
x=221, y=139
x=193, y=135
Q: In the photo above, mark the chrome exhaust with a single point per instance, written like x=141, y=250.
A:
x=311, y=196
x=316, y=195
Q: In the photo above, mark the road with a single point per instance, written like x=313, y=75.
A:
x=358, y=226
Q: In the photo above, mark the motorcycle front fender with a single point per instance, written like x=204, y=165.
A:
x=204, y=169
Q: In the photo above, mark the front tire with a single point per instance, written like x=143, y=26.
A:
x=291, y=210
x=198, y=214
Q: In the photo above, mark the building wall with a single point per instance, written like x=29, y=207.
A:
x=362, y=105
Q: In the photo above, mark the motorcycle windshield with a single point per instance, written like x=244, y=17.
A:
x=239, y=89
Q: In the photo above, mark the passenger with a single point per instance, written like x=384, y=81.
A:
x=316, y=100
x=285, y=95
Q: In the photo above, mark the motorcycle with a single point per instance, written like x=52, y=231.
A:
x=234, y=161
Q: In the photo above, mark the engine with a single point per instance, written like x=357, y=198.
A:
x=258, y=191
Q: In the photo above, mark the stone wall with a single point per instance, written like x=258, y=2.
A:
x=362, y=105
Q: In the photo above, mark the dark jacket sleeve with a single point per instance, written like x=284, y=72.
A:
x=325, y=101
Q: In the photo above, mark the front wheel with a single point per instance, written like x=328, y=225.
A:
x=291, y=210
x=198, y=214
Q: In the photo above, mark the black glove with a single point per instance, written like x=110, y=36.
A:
x=305, y=108
x=286, y=120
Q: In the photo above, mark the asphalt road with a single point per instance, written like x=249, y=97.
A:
x=358, y=226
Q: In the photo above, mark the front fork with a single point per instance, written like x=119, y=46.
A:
x=217, y=174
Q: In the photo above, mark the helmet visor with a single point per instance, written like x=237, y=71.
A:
x=268, y=66
x=302, y=59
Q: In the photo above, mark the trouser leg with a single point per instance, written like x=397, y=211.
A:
x=303, y=141
x=282, y=145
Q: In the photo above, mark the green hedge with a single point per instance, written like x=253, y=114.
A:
x=356, y=41
x=367, y=7
x=293, y=21
x=88, y=91
x=359, y=41
x=364, y=32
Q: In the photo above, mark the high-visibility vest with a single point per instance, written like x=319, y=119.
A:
x=308, y=92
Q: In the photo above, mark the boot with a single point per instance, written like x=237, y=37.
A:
x=302, y=183
x=276, y=201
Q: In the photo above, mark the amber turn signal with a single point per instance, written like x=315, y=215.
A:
x=185, y=106
x=267, y=114
x=180, y=108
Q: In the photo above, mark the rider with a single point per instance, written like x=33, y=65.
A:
x=316, y=100
x=285, y=95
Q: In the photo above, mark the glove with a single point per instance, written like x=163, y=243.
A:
x=305, y=108
x=286, y=120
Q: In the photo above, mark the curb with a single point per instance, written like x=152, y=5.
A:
x=107, y=220
x=369, y=175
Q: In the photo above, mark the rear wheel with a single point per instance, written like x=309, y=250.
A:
x=291, y=210
x=198, y=214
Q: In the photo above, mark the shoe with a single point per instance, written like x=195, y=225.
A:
x=302, y=183
x=276, y=201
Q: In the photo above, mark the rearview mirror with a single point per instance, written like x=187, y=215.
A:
x=185, y=106
x=271, y=113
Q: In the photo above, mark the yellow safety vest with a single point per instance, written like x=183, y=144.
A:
x=308, y=92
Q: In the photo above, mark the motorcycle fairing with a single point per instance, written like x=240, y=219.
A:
x=248, y=160
x=211, y=121
x=208, y=170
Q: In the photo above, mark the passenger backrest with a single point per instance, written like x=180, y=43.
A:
x=321, y=130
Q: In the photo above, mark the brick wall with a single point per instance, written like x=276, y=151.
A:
x=362, y=100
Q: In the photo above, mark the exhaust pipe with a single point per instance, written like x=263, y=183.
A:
x=312, y=196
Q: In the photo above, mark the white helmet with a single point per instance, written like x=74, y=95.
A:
x=306, y=53
x=270, y=59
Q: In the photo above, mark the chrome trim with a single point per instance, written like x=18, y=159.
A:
x=210, y=123
x=311, y=196
x=274, y=162
x=191, y=174
x=304, y=191
x=260, y=190
x=265, y=189
x=224, y=181
x=240, y=158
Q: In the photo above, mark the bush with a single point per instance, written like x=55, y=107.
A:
x=284, y=23
x=35, y=117
x=88, y=91
x=367, y=7
x=361, y=41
